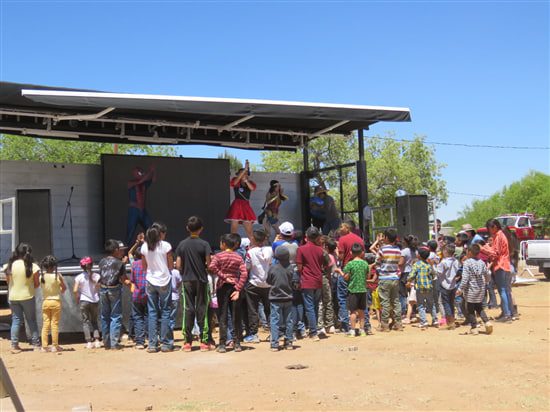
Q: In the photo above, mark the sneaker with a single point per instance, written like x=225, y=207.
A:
x=289, y=346
x=118, y=347
x=362, y=333
x=406, y=321
x=15, y=349
x=152, y=350
x=238, y=348
x=350, y=334
x=204, y=347
x=332, y=330
x=504, y=319
x=221, y=349
x=89, y=345
x=315, y=338
x=424, y=326
x=251, y=339
x=56, y=348
x=140, y=346
x=274, y=349
x=488, y=328
x=230, y=344
x=435, y=324
x=45, y=350
x=166, y=349
x=186, y=347
x=322, y=332
x=97, y=344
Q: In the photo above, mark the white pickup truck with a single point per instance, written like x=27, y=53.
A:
x=537, y=253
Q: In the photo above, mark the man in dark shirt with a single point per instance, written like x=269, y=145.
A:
x=192, y=259
x=112, y=274
x=312, y=261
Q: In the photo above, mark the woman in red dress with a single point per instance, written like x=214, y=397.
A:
x=240, y=211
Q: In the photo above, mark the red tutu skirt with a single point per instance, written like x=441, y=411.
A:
x=240, y=211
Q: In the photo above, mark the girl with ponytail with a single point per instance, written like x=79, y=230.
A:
x=53, y=286
x=22, y=277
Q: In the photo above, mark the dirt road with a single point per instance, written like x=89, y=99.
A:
x=408, y=370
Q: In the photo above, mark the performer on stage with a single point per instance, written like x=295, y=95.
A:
x=137, y=190
x=240, y=211
x=273, y=200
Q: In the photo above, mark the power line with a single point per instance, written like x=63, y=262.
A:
x=468, y=194
x=466, y=144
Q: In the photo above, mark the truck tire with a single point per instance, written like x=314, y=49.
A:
x=546, y=272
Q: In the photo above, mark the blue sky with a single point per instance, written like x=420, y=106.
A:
x=471, y=72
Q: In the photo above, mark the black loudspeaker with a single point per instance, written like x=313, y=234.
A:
x=412, y=216
x=34, y=221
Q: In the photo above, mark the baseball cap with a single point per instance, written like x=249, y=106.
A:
x=121, y=245
x=286, y=228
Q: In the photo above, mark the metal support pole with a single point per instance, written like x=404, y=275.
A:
x=304, y=186
x=341, y=192
x=362, y=188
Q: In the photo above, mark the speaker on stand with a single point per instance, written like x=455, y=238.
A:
x=412, y=216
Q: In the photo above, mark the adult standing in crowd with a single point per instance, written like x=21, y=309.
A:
x=22, y=277
x=499, y=253
x=240, y=211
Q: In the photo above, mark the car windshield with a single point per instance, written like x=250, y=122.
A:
x=506, y=221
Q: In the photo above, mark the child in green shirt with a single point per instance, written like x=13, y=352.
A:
x=355, y=273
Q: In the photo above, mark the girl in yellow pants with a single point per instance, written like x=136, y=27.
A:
x=53, y=286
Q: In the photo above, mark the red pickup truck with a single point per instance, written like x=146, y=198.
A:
x=521, y=223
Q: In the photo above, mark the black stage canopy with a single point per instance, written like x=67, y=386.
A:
x=75, y=114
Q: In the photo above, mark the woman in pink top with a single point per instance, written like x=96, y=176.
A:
x=499, y=253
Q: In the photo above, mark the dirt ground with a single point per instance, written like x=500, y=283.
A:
x=410, y=370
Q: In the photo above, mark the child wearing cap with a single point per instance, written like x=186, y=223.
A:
x=87, y=297
x=112, y=274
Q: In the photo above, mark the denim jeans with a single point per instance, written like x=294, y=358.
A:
x=388, y=291
x=89, y=315
x=159, y=305
x=491, y=293
x=139, y=316
x=173, y=313
x=425, y=302
x=111, y=315
x=297, y=311
x=312, y=297
x=22, y=310
x=448, y=299
x=340, y=288
x=281, y=315
x=501, y=280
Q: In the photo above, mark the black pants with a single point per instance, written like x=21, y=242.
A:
x=225, y=304
x=474, y=309
x=254, y=295
x=195, y=304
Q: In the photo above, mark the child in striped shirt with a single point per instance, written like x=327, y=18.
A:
x=231, y=271
x=475, y=277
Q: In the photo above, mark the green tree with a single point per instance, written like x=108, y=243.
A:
x=530, y=194
x=234, y=162
x=391, y=165
x=64, y=151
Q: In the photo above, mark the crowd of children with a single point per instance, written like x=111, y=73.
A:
x=296, y=287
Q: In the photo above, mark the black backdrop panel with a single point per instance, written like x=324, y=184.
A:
x=412, y=216
x=182, y=187
x=34, y=221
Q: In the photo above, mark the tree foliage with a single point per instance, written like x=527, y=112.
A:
x=63, y=151
x=391, y=165
x=234, y=162
x=530, y=194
